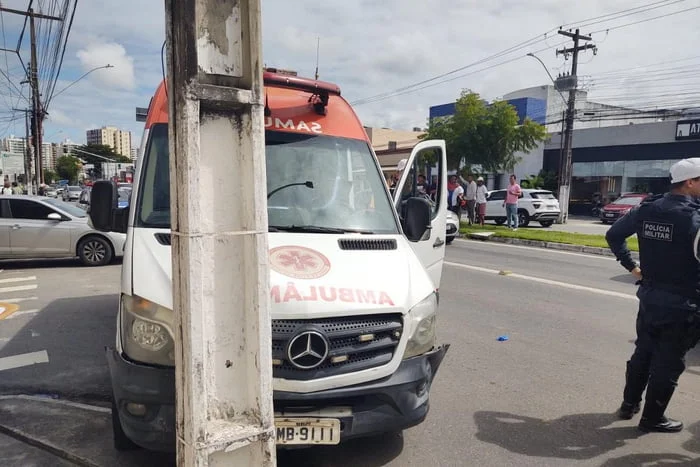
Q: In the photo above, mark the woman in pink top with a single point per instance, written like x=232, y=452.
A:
x=511, y=204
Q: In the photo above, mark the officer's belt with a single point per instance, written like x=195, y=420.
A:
x=670, y=288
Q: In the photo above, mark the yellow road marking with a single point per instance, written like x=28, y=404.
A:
x=7, y=309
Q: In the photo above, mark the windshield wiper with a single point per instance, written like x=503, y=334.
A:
x=315, y=229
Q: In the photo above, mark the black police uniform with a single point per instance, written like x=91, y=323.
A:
x=667, y=227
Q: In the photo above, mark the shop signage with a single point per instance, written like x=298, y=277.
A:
x=688, y=129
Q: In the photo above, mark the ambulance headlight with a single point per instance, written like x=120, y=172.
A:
x=422, y=320
x=147, y=331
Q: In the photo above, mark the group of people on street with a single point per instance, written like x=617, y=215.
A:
x=11, y=188
x=471, y=196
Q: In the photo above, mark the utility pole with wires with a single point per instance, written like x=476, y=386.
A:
x=38, y=113
x=565, y=169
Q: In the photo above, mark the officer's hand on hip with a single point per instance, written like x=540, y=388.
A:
x=637, y=273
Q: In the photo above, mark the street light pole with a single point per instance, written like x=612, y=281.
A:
x=87, y=73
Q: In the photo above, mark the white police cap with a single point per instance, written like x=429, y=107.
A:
x=685, y=170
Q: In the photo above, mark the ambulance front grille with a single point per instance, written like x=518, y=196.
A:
x=357, y=343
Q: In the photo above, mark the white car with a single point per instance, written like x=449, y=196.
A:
x=452, y=227
x=533, y=206
x=41, y=227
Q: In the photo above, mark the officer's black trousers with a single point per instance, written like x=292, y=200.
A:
x=658, y=360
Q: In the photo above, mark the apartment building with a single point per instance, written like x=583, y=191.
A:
x=113, y=137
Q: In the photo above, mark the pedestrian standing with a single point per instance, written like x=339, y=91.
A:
x=481, y=194
x=455, y=196
x=668, y=320
x=511, y=203
x=6, y=189
x=470, y=196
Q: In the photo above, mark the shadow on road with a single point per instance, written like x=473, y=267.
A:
x=625, y=279
x=73, y=332
x=367, y=452
x=579, y=436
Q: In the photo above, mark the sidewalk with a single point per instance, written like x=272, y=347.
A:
x=36, y=431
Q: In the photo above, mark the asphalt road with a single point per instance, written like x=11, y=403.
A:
x=545, y=397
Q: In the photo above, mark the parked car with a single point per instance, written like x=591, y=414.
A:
x=51, y=192
x=621, y=206
x=534, y=205
x=41, y=227
x=72, y=193
x=452, y=227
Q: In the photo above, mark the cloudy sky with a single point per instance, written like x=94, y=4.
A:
x=371, y=48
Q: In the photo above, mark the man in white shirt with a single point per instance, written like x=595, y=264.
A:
x=470, y=195
x=6, y=189
x=481, y=194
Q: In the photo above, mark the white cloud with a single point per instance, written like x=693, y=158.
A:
x=100, y=54
x=370, y=47
x=60, y=118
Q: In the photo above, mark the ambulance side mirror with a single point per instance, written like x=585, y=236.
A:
x=418, y=218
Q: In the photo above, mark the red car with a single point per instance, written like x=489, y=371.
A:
x=621, y=206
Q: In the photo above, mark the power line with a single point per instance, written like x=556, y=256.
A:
x=647, y=20
x=521, y=45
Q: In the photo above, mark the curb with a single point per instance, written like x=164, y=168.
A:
x=590, y=250
x=47, y=445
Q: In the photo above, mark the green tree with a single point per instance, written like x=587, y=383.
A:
x=68, y=168
x=485, y=135
x=50, y=176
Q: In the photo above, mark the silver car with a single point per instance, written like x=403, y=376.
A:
x=72, y=193
x=40, y=227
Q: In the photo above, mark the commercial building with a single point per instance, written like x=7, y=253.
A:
x=545, y=105
x=117, y=139
x=134, y=154
x=614, y=160
x=391, y=146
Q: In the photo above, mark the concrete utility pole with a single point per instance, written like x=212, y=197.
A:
x=223, y=361
x=27, y=152
x=565, y=170
x=38, y=113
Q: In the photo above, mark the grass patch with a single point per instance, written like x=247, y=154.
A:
x=547, y=236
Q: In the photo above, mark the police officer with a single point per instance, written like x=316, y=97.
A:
x=668, y=229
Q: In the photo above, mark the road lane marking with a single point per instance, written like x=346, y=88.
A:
x=539, y=249
x=17, y=279
x=18, y=288
x=25, y=359
x=94, y=408
x=17, y=300
x=7, y=310
x=540, y=280
x=21, y=313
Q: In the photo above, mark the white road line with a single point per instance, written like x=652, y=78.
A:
x=22, y=312
x=17, y=279
x=17, y=300
x=534, y=248
x=5, y=339
x=94, y=408
x=546, y=281
x=26, y=359
x=18, y=288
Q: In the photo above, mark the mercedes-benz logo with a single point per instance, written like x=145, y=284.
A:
x=307, y=350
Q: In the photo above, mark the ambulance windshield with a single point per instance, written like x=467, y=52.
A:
x=347, y=192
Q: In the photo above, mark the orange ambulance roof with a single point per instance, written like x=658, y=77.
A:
x=290, y=109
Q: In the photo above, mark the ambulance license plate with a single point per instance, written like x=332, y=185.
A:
x=307, y=430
